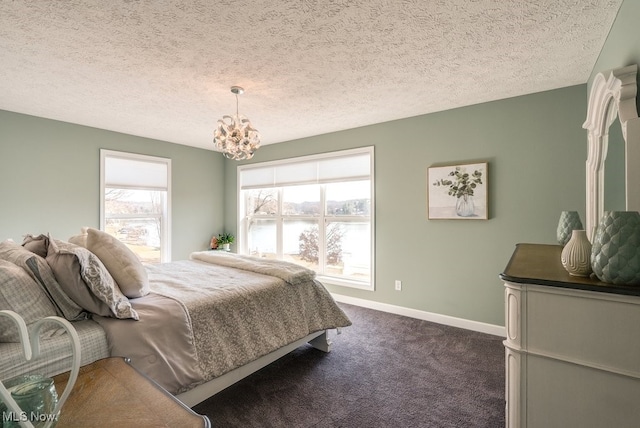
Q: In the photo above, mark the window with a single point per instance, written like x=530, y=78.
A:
x=135, y=202
x=316, y=211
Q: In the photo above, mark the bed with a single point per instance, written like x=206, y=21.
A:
x=194, y=326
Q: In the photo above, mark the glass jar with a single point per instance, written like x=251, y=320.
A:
x=37, y=397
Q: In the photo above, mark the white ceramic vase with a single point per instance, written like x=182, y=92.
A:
x=576, y=255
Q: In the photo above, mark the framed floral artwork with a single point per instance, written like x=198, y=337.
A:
x=458, y=192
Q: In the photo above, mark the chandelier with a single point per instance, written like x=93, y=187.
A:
x=234, y=136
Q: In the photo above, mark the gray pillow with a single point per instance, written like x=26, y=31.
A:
x=85, y=279
x=40, y=271
x=21, y=294
x=43, y=274
x=120, y=261
x=36, y=244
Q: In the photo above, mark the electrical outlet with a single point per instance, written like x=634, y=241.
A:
x=398, y=285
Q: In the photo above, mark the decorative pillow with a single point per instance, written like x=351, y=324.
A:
x=85, y=279
x=123, y=265
x=40, y=271
x=21, y=294
x=43, y=274
x=36, y=244
x=81, y=239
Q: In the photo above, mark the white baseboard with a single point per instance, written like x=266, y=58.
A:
x=481, y=327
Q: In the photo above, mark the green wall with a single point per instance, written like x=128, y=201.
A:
x=536, y=149
x=622, y=47
x=50, y=172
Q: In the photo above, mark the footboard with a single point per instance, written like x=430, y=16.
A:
x=319, y=340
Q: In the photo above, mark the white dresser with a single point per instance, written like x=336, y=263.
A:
x=572, y=347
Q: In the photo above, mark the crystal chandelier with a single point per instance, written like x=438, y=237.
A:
x=234, y=136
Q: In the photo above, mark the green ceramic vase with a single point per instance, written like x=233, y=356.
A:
x=569, y=221
x=615, y=254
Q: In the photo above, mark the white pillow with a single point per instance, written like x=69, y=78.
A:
x=123, y=265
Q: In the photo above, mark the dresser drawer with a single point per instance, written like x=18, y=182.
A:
x=585, y=328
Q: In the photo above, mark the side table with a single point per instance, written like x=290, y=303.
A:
x=111, y=392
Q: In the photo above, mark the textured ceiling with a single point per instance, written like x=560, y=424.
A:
x=162, y=69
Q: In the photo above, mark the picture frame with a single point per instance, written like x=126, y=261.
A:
x=458, y=191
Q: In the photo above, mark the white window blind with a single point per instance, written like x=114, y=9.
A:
x=341, y=166
x=132, y=173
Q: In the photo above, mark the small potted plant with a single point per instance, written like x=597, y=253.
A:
x=225, y=240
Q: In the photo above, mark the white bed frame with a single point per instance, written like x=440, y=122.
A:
x=319, y=340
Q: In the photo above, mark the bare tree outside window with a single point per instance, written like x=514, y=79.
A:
x=310, y=248
x=263, y=201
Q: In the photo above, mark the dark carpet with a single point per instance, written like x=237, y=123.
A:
x=384, y=371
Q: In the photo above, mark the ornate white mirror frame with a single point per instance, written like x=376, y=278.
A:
x=613, y=94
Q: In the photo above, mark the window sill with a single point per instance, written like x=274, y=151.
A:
x=332, y=280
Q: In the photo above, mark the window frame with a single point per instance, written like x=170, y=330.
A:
x=165, y=229
x=322, y=219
